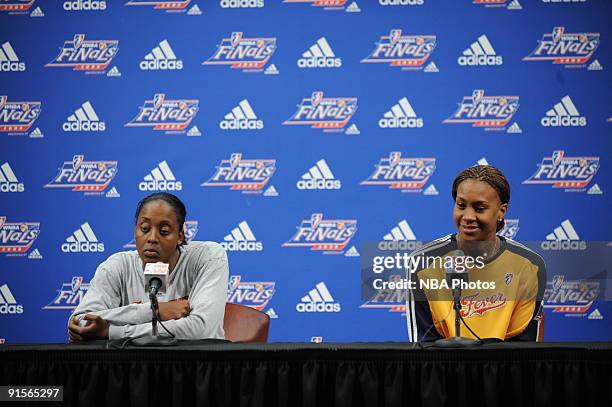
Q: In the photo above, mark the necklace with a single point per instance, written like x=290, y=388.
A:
x=496, y=247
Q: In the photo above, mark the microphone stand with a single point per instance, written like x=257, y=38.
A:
x=154, y=339
x=456, y=341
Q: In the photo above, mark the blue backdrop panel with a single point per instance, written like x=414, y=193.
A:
x=266, y=117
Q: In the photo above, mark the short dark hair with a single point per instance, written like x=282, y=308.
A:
x=492, y=176
x=170, y=199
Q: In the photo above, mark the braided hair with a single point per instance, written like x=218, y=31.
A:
x=492, y=176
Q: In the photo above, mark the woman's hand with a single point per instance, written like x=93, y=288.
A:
x=174, y=309
x=96, y=328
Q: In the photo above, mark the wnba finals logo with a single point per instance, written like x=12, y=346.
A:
x=171, y=116
x=246, y=175
x=561, y=171
x=328, y=235
x=319, y=112
x=70, y=294
x=406, y=51
x=489, y=112
x=17, y=117
x=564, y=48
x=86, y=176
x=239, y=52
x=406, y=174
x=256, y=294
x=86, y=55
x=17, y=237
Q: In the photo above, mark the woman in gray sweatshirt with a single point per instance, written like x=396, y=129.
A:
x=117, y=305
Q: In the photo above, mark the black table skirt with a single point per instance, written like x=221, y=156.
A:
x=327, y=374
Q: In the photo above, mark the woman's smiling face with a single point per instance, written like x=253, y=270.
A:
x=477, y=210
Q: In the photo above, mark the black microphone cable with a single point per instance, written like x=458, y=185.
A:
x=155, y=306
x=429, y=329
x=162, y=325
x=470, y=329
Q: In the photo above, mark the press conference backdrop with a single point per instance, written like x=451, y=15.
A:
x=294, y=131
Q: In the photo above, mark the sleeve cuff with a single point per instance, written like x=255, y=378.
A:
x=144, y=313
x=115, y=332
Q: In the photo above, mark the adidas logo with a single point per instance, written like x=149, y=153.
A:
x=352, y=252
x=35, y=255
x=563, y=114
x=564, y=232
x=480, y=53
x=318, y=299
x=36, y=133
x=37, y=13
x=319, y=177
x=431, y=190
x=595, y=66
x=85, y=5
x=271, y=70
x=431, y=67
x=114, y=72
x=401, y=232
x=160, y=178
x=595, y=314
x=564, y=237
x=514, y=5
x=272, y=314
x=352, y=130
x=8, y=180
x=8, y=303
x=83, y=240
x=319, y=55
x=400, y=237
x=113, y=193
x=353, y=8
x=161, y=58
x=515, y=129
x=401, y=115
x=194, y=132
x=194, y=11
x=242, y=239
x=84, y=119
x=9, y=62
x=271, y=191
x=242, y=117
x=595, y=190
x=401, y=2
x=241, y=3
x=482, y=161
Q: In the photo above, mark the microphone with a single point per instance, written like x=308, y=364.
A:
x=156, y=281
x=454, y=276
x=156, y=278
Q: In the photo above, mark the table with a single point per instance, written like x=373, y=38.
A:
x=308, y=374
